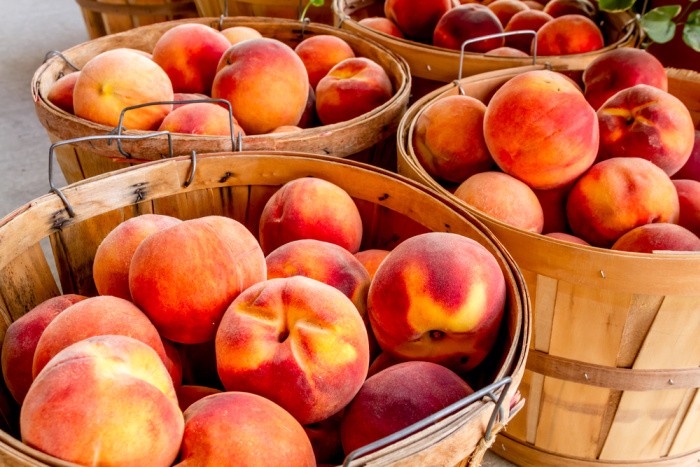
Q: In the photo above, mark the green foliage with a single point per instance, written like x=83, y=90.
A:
x=658, y=23
x=691, y=31
x=615, y=6
x=310, y=3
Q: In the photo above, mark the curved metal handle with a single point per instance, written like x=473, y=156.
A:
x=56, y=53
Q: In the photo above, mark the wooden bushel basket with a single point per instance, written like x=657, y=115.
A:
x=613, y=372
x=290, y=9
x=367, y=138
x=392, y=207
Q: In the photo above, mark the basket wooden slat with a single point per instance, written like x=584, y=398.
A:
x=611, y=332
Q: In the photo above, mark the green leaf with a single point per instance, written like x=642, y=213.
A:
x=615, y=5
x=658, y=23
x=691, y=31
x=316, y=2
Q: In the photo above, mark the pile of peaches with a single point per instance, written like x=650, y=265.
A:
x=271, y=88
x=563, y=27
x=613, y=161
x=209, y=345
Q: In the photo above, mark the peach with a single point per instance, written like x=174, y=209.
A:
x=61, y=92
x=507, y=52
x=397, y=397
x=309, y=118
x=371, y=259
x=689, y=199
x=189, y=54
x=236, y=428
x=528, y=20
x=381, y=24
x=659, y=236
x=203, y=118
x=188, y=394
x=173, y=362
x=448, y=139
x=286, y=129
x=506, y=9
x=534, y=5
x=199, y=364
x=466, y=22
x=557, y=8
x=691, y=169
x=95, y=316
x=236, y=34
x=325, y=439
x=321, y=53
x=110, y=267
x=617, y=195
x=120, y=78
x=105, y=400
x=568, y=35
x=618, y=69
x=382, y=361
x=541, y=130
x=21, y=339
x=416, y=18
x=567, y=238
x=503, y=197
x=310, y=208
x=182, y=98
x=416, y=315
x=300, y=331
x=644, y=121
x=553, y=204
x=265, y=82
x=352, y=88
x=216, y=258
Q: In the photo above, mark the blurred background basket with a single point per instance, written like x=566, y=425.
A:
x=613, y=374
x=392, y=208
x=290, y=9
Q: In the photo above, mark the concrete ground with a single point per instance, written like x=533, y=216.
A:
x=30, y=30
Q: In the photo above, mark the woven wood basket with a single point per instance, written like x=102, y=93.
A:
x=103, y=17
x=613, y=373
x=368, y=138
x=392, y=207
x=290, y=9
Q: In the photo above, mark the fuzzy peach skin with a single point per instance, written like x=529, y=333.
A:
x=350, y=89
x=321, y=53
x=188, y=394
x=617, y=195
x=199, y=364
x=241, y=429
x=61, y=92
x=507, y=52
x=371, y=259
x=644, y=121
x=468, y=21
x=689, y=199
x=265, y=82
x=553, y=204
x=381, y=24
x=181, y=98
x=173, y=362
x=528, y=20
x=397, y=397
x=184, y=277
x=299, y=331
x=190, y=54
x=506, y=9
x=309, y=119
x=236, y=34
x=568, y=35
x=95, y=316
x=21, y=339
x=110, y=267
x=503, y=197
x=120, y=78
x=416, y=18
x=105, y=400
x=540, y=129
x=325, y=439
x=659, y=236
x=691, y=169
x=621, y=68
x=418, y=310
x=567, y=237
x=558, y=8
x=310, y=208
x=203, y=118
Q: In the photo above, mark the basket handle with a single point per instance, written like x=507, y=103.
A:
x=488, y=391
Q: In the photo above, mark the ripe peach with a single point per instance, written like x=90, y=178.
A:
x=371, y=259
x=325, y=439
x=189, y=54
x=300, y=331
x=188, y=394
x=568, y=35
x=691, y=169
x=236, y=428
x=352, y=88
x=415, y=314
x=416, y=18
x=534, y=5
x=689, y=199
x=567, y=237
x=181, y=98
x=557, y=8
x=95, y=316
x=286, y=129
x=644, y=121
x=218, y=251
x=173, y=362
x=528, y=20
x=105, y=400
x=119, y=78
x=381, y=24
x=321, y=53
x=503, y=197
x=309, y=118
x=203, y=118
x=540, y=129
x=397, y=397
x=61, y=92
x=506, y=9
x=448, y=138
x=617, y=195
x=507, y=52
x=659, y=236
x=621, y=68
x=20, y=342
x=236, y=34
x=465, y=22
x=266, y=83
x=553, y=204
x=199, y=365
x=310, y=208
x=382, y=361
x=110, y=267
